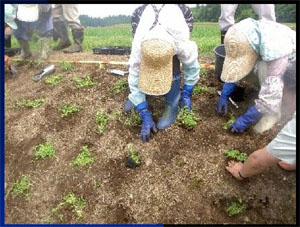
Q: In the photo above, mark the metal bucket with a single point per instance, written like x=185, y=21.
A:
x=220, y=56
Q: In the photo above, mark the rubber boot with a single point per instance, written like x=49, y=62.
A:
x=45, y=47
x=171, y=106
x=25, y=49
x=223, y=36
x=78, y=38
x=62, y=32
x=7, y=41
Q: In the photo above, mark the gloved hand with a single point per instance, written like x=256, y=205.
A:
x=147, y=121
x=227, y=91
x=252, y=115
x=186, y=96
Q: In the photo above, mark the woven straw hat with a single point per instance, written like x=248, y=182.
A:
x=240, y=57
x=155, y=77
x=28, y=12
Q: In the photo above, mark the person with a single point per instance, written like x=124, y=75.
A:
x=33, y=18
x=67, y=15
x=226, y=19
x=161, y=38
x=246, y=43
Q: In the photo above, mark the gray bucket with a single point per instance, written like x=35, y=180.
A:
x=220, y=56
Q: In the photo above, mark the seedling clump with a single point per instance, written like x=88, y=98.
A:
x=84, y=82
x=84, y=158
x=133, y=159
x=187, y=118
x=66, y=66
x=236, y=208
x=54, y=80
x=201, y=89
x=133, y=119
x=67, y=110
x=119, y=86
x=44, y=150
x=235, y=154
x=227, y=124
x=102, y=122
x=21, y=187
x=30, y=103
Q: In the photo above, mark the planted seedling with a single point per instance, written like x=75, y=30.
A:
x=236, y=155
x=31, y=103
x=84, y=82
x=21, y=187
x=187, y=118
x=202, y=88
x=54, y=80
x=44, y=150
x=102, y=122
x=67, y=110
x=236, y=208
x=203, y=73
x=227, y=124
x=84, y=158
x=119, y=86
x=66, y=66
x=133, y=160
x=195, y=184
x=133, y=119
x=37, y=63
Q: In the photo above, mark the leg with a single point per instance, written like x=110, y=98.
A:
x=226, y=19
x=265, y=11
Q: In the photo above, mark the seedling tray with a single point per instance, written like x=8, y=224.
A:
x=112, y=50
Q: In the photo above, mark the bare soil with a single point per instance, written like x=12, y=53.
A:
x=182, y=178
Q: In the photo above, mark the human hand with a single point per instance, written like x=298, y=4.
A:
x=234, y=168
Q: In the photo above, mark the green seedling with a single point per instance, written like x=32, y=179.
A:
x=31, y=103
x=133, y=119
x=227, y=124
x=21, y=187
x=84, y=158
x=195, y=184
x=187, y=118
x=102, y=122
x=36, y=63
x=67, y=110
x=203, y=73
x=236, y=155
x=133, y=160
x=66, y=66
x=44, y=150
x=54, y=80
x=84, y=82
x=200, y=89
x=119, y=86
x=236, y=208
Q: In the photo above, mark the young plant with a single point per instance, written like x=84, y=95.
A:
x=203, y=88
x=84, y=82
x=84, y=158
x=37, y=63
x=227, y=124
x=187, y=118
x=53, y=80
x=235, y=154
x=102, y=122
x=66, y=66
x=67, y=110
x=119, y=86
x=203, y=73
x=236, y=208
x=44, y=150
x=133, y=159
x=133, y=119
x=31, y=103
x=21, y=187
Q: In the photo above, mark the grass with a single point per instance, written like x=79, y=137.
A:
x=44, y=150
x=236, y=208
x=203, y=89
x=54, y=79
x=187, y=118
x=236, y=155
x=102, y=122
x=84, y=158
x=66, y=66
x=119, y=86
x=228, y=123
x=31, y=103
x=84, y=82
x=133, y=119
x=20, y=188
x=68, y=110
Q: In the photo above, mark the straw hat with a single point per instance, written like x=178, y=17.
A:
x=28, y=12
x=240, y=57
x=10, y=15
x=155, y=77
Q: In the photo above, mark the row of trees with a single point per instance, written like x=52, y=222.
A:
x=202, y=13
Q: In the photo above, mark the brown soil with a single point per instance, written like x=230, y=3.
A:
x=182, y=178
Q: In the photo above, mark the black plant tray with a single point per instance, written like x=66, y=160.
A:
x=12, y=51
x=112, y=50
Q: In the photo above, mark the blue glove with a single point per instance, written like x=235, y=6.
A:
x=186, y=97
x=147, y=121
x=252, y=115
x=227, y=91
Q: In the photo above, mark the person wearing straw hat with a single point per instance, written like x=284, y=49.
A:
x=33, y=18
x=269, y=46
x=161, y=37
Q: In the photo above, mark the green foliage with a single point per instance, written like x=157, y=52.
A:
x=134, y=156
x=227, y=124
x=119, y=86
x=202, y=88
x=102, y=122
x=236, y=208
x=54, y=79
x=36, y=63
x=67, y=110
x=236, y=154
x=31, y=103
x=84, y=158
x=84, y=82
x=133, y=119
x=44, y=150
x=187, y=118
x=66, y=66
x=20, y=187
x=203, y=73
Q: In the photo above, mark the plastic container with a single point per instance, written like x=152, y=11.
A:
x=220, y=54
x=112, y=50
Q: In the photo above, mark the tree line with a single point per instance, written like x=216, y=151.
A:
x=285, y=13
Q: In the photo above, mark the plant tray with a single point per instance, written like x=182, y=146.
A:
x=112, y=50
x=12, y=51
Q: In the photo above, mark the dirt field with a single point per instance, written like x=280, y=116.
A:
x=182, y=178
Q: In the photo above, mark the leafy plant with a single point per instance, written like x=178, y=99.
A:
x=102, y=122
x=44, y=150
x=133, y=119
x=119, y=86
x=134, y=156
x=187, y=118
x=54, y=79
x=66, y=66
x=67, y=110
x=235, y=154
x=236, y=208
x=84, y=82
x=203, y=88
x=203, y=73
x=20, y=187
x=227, y=124
x=37, y=63
x=83, y=158
x=32, y=103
